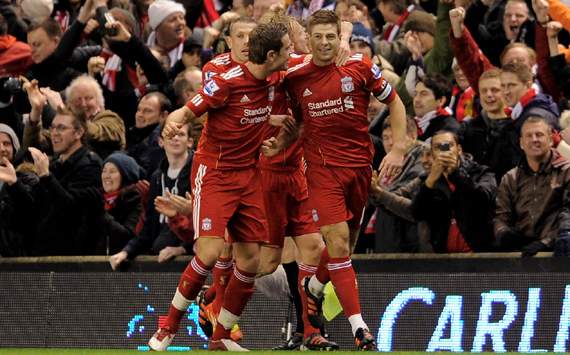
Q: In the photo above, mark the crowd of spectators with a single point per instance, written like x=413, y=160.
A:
x=86, y=86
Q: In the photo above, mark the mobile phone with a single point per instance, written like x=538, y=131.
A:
x=444, y=147
x=110, y=19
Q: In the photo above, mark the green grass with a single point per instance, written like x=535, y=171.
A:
x=36, y=351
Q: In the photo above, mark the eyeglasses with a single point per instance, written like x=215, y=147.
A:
x=59, y=128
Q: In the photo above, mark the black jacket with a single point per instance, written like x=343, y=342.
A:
x=447, y=123
x=493, y=143
x=155, y=234
x=542, y=106
x=120, y=222
x=16, y=213
x=69, y=203
x=472, y=203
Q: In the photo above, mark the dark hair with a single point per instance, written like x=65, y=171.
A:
x=521, y=71
x=3, y=26
x=265, y=38
x=411, y=125
x=323, y=17
x=445, y=131
x=438, y=84
x=163, y=101
x=397, y=6
x=50, y=26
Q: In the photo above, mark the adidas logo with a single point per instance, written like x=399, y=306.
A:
x=307, y=92
x=244, y=99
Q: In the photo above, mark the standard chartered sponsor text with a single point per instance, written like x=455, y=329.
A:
x=330, y=107
x=259, y=115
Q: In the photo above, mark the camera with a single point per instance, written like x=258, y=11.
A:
x=444, y=147
x=9, y=86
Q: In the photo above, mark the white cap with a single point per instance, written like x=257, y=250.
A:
x=159, y=10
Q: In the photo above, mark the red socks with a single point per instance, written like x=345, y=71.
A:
x=322, y=273
x=240, y=287
x=189, y=285
x=343, y=279
x=306, y=271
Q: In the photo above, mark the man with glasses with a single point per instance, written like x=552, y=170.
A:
x=67, y=197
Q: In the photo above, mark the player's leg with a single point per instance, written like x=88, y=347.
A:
x=191, y=281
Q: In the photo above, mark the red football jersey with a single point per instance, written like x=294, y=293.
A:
x=238, y=107
x=288, y=159
x=217, y=65
x=333, y=102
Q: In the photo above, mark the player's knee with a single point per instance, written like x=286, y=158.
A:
x=338, y=247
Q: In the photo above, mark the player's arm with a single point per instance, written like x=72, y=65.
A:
x=176, y=119
x=344, y=48
x=288, y=134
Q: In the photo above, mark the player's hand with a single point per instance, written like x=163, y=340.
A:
x=277, y=120
x=270, y=147
x=117, y=259
x=343, y=53
x=391, y=165
x=171, y=129
x=168, y=253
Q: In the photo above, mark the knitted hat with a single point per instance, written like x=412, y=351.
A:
x=361, y=33
x=420, y=21
x=130, y=171
x=4, y=128
x=159, y=10
x=37, y=10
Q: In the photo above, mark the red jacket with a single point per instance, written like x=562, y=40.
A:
x=15, y=56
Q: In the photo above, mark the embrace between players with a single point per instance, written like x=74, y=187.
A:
x=310, y=123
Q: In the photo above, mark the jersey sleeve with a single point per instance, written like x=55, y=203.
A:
x=376, y=83
x=209, y=71
x=213, y=94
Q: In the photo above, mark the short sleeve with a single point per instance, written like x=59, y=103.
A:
x=377, y=84
x=213, y=94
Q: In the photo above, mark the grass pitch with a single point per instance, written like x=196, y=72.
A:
x=36, y=351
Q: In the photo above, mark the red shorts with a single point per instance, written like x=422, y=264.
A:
x=230, y=199
x=338, y=194
x=286, y=196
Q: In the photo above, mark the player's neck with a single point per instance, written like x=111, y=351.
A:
x=234, y=59
x=321, y=63
x=259, y=71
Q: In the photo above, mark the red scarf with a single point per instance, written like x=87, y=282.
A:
x=455, y=241
x=62, y=17
x=208, y=16
x=392, y=30
x=516, y=111
x=110, y=199
x=464, y=106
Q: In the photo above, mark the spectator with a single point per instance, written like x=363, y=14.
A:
x=105, y=129
x=16, y=204
x=456, y=199
x=532, y=199
x=393, y=233
x=51, y=51
x=15, y=56
x=172, y=177
x=431, y=95
x=361, y=40
x=524, y=99
x=144, y=136
x=462, y=102
x=243, y=7
x=166, y=18
x=67, y=196
x=122, y=202
x=491, y=137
